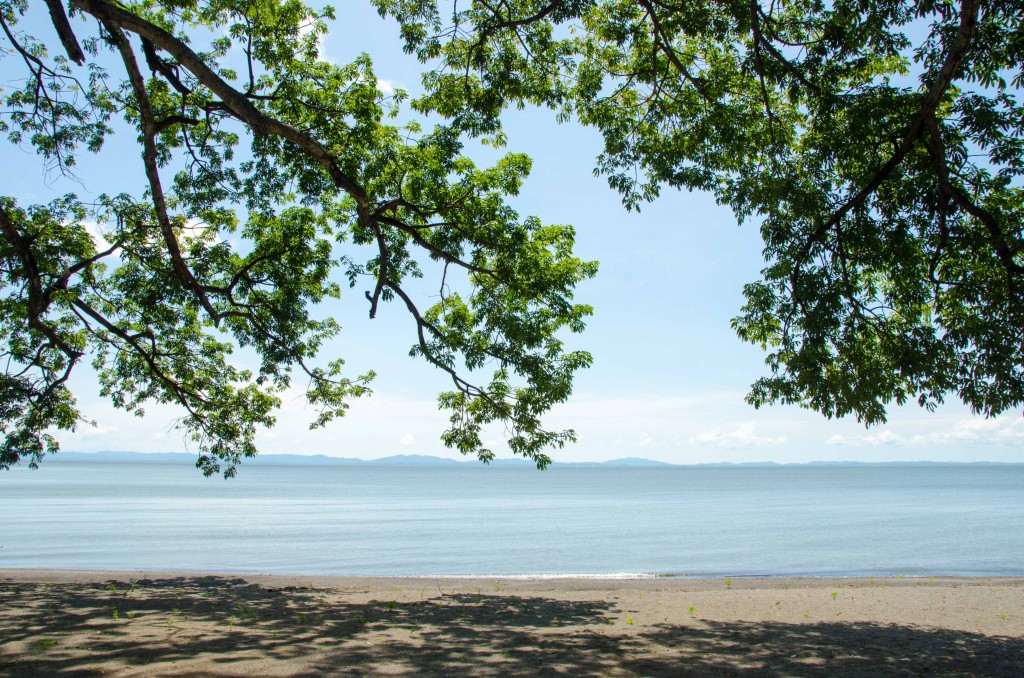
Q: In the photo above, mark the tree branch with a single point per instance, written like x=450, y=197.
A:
x=67, y=35
x=149, y=131
x=1003, y=248
x=234, y=101
x=38, y=298
x=157, y=65
x=964, y=35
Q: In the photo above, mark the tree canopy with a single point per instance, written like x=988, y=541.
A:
x=877, y=145
x=268, y=178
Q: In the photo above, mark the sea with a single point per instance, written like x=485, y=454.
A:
x=476, y=520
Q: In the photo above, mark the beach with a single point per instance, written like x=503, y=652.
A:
x=90, y=623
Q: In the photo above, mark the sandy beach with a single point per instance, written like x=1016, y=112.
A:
x=166, y=624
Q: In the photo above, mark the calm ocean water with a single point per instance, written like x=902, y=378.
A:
x=478, y=520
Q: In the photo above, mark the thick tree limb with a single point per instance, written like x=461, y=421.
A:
x=67, y=36
x=234, y=101
x=149, y=132
x=38, y=297
x=157, y=65
x=961, y=42
x=1003, y=248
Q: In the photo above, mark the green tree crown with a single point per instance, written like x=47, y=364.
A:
x=877, y=144
x=271, y=178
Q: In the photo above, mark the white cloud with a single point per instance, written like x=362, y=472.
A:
x=97, y=430
x=883, y=438
x=963, y=432
x=386, y=86
x=743, y=437
x=977, y=431
x=706, y=427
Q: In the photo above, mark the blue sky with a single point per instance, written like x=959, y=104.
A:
x=669, y=374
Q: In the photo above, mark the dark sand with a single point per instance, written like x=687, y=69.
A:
x=73, y=623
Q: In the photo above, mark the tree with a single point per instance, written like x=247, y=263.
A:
x=267, y=174
x=877, y=143
x=878, y=146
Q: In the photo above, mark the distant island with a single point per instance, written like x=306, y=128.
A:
x=432, y=461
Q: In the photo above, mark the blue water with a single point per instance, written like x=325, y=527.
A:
x=478, y=520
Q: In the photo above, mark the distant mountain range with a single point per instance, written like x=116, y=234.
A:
x=426, y=460
x=320, y=459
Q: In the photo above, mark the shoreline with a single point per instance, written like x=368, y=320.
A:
x=84, y=575
x=64, y=575
x=148, y=623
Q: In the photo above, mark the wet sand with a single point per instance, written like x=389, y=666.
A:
x=172, y=624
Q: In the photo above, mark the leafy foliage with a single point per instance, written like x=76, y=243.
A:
x=272, y=177
x=878, y=145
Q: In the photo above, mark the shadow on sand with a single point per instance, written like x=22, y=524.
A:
x=217, y=626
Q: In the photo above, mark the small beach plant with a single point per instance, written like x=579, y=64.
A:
x=44, y=644
x=244, y=611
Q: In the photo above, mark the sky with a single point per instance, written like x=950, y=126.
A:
x=669, y=375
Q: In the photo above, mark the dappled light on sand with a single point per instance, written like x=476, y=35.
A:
x=222, y=626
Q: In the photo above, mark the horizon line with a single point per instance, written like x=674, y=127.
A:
x=413, y=458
